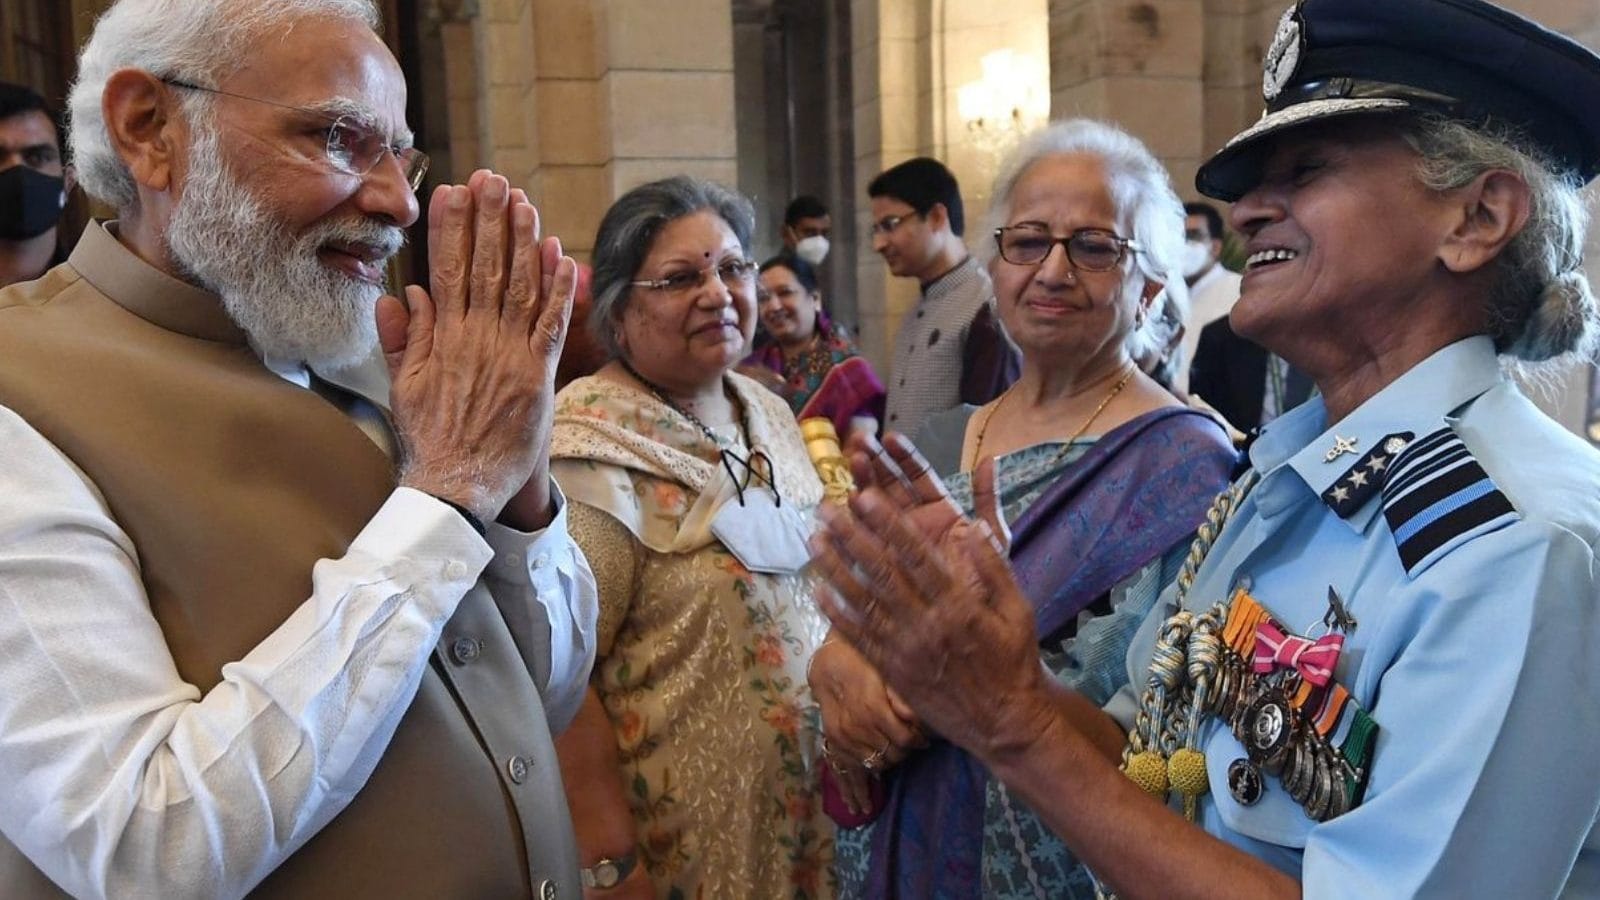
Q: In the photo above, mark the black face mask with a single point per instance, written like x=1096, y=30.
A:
x=30, y=202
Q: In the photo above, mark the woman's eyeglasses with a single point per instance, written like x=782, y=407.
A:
x=352, y=147
x=732, y=272
x=1089, y=249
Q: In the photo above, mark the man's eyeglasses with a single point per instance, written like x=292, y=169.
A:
x=732, y=272
x=352, y=147
x=888, y=224
x=1089, y=249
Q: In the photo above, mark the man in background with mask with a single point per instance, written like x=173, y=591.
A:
x=806, y=229
x=34, y=182
x=1212, y=287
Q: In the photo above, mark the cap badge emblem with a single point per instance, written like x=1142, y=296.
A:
x=1283, y=57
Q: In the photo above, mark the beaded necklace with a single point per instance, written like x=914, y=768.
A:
x=757, y=465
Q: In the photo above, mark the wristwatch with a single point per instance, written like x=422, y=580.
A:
x=607, y=872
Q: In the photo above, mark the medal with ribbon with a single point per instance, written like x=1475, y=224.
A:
x=1294, y=720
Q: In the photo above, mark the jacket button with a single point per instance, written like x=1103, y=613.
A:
x=517, y=768
x=465, y=650
x=547, y=890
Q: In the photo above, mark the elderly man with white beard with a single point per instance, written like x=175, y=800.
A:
x=255, y=634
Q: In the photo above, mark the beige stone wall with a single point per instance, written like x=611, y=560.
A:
x=1138, y=63
x=580, y=100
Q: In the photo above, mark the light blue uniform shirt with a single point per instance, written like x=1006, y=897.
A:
x=1481, y=665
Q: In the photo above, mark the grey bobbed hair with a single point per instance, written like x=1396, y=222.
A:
x=199, y=42
x=1542, y=306
x=629, y=230
x=1148, y=210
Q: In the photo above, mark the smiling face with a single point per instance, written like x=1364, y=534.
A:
x=1341, y=239
x=1060, y=315
x=686, y=339
x=787, y=309
x=295, y=247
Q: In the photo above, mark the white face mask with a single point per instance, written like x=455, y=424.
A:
x=813, y=249
x=1196, y=256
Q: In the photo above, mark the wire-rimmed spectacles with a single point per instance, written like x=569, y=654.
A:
x=1089, y=249
x=888, y=224
x=732, y=272
x=352, y=147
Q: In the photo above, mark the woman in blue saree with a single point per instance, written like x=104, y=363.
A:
x=1102, y=475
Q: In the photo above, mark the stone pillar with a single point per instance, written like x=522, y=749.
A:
x=892, y=83
x=669, y=91
x=571, y=184
x=1237, y=33
x=1137, y=63
x=508, y=127
x=459, y=47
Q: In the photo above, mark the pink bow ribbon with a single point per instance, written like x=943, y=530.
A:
x=1314, y=660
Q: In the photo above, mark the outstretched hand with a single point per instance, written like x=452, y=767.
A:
x=927, y=597
x=899, y=470
x=472, y=361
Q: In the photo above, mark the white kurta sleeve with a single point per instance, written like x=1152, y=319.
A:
x=118, y=775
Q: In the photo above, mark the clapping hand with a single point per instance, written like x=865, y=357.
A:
x=926, y=595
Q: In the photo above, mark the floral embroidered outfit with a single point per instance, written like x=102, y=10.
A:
x=701, y=664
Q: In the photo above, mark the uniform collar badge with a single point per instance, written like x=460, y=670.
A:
x=1341, y=446
x=1366, y=476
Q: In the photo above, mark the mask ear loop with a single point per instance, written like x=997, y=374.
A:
x=738, y=487
x=752, y=472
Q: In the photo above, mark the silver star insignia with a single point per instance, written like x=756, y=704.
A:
x=1378, y=463
x=1341, y=494
x=1341, y=446
x=1358, y=478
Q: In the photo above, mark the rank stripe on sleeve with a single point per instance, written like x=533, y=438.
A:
x=1437, y=495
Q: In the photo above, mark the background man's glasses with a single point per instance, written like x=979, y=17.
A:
x=1089, y=249
x=888, y=224
x=352, y=147
x=732, y=272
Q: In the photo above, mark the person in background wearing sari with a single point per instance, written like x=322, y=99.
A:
x=813, y=365
x=1102, y=475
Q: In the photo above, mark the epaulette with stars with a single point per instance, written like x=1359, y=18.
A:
x=1366, y=476
x=1435, y=494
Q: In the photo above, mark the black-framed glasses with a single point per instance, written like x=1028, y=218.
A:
x=732, y=272
x=352, y=147
x=888, y=224
x=1089, y=249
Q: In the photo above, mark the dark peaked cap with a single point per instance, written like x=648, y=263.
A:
x=1464, y=59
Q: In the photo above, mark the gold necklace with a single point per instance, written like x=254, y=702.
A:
x=983, y=427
